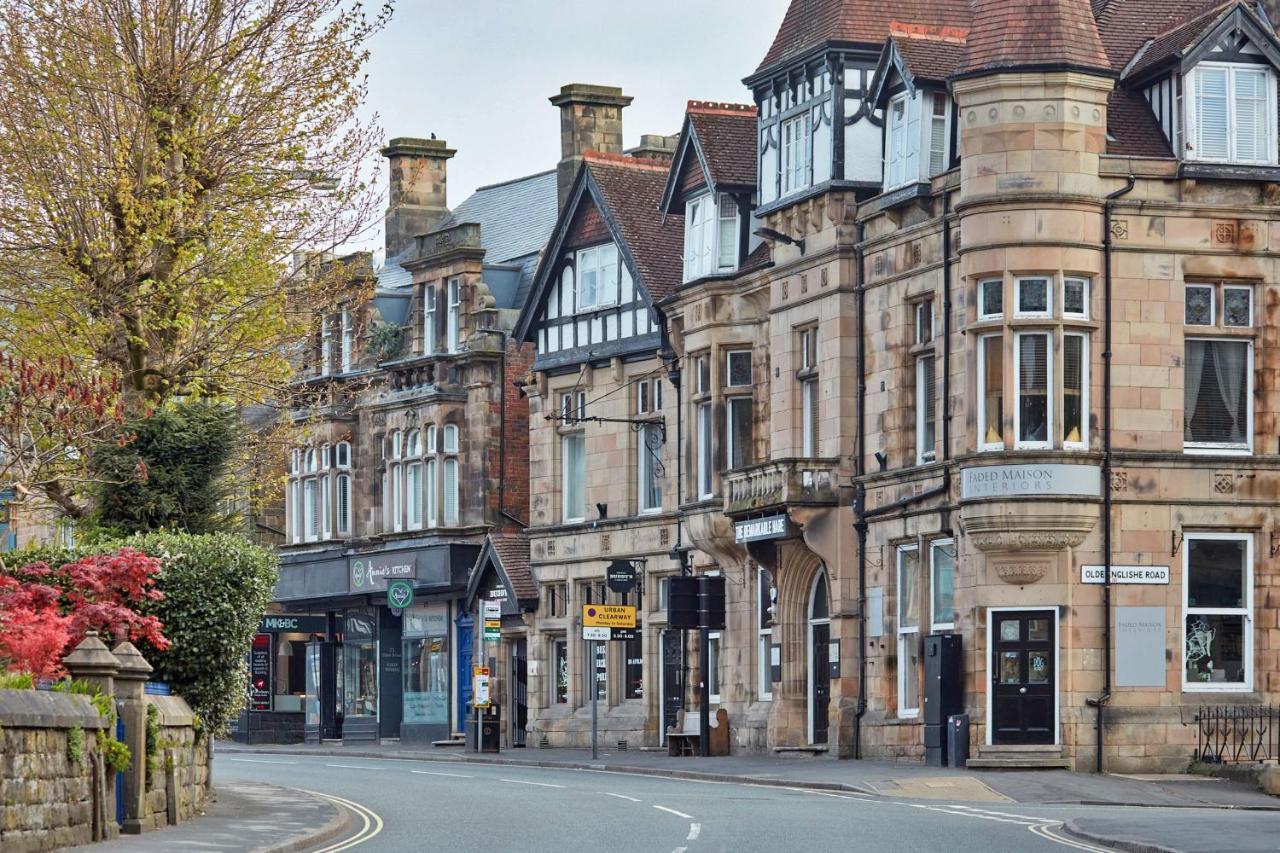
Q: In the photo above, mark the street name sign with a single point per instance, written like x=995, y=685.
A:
x=1125, y=574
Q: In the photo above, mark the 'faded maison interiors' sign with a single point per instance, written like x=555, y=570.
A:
x=1023, y=481
x=372, y=574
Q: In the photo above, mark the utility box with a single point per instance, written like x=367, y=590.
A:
x=958, y=739
x=484, y=730
x=943, y=693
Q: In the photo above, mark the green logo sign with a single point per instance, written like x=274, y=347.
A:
x=400, y=594
x=357, y=574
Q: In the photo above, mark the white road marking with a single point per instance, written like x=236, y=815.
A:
x=1044, y=831
x=372, y=823
x=621, y=797
x=434, y=773
x=260, y=761
x=695, y=829
x=674, y=812
x=352, y=767
x=527, y=782
x=680, y=850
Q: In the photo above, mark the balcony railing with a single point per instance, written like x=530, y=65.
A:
x=781, y=483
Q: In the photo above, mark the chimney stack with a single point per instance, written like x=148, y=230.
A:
x=417, y=197
x=655, y=148
x=590, y=120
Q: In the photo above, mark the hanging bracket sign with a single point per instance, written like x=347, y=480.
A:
x=399, y=594
x=621, y=577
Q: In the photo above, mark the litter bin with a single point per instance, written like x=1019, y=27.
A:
x=958, y=739
x=484, y=734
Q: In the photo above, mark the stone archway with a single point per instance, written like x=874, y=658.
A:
x=795, y=572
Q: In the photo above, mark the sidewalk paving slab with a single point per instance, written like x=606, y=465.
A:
x=244, y=817
x=1047, y=787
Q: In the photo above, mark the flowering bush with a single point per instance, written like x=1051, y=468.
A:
x=46, y=612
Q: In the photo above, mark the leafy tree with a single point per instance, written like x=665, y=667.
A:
x=161, y=164
x=171, y=472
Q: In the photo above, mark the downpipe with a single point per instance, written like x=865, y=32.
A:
x=860, y=489
x=1100, y=703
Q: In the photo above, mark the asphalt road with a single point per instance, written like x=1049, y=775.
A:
x=416, y=806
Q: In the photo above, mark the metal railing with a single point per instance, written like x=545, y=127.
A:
x=1236, y=734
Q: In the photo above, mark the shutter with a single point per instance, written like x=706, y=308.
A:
x=938, y=136
x=1211, y=114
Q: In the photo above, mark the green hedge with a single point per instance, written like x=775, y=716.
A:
x=216, y=587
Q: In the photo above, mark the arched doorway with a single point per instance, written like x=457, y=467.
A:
x=819, y=659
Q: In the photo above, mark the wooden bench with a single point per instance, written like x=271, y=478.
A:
x=683, y=738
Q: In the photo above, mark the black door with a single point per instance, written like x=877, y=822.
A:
x=672, y=678
x=1023, y=690
x=519, y=691
x=821, y=680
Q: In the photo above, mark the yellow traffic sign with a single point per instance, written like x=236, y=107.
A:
x=608, y=616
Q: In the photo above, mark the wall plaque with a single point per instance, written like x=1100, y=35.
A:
x=1023, y=481
x=1140, y=635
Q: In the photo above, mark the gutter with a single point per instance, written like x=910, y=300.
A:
x=1099, y=703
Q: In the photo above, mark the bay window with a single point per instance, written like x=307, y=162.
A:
x=348, y=341
x=1033, y=297
x=737, y=432
x=908, y=631
x=1232, y=114
x=990, y=299
x=1075, y=390
x=704, y=451
x=917, y=137
x=449, y=466
x=429, y=344
x=991, y=392
x=795, y=153
x=413, y=480
x=727, y=232
x=454, y=325
x=1217, y=611
x=710, y=235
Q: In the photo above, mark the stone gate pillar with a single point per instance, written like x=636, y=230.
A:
x=92, y=662
x=132, y=702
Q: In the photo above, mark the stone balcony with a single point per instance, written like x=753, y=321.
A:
x=779, y=484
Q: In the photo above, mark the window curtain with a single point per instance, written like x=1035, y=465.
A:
x=1194, y=376
x=908, y=589
x=1229, y=366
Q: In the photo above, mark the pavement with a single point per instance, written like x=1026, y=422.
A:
x=245, y=816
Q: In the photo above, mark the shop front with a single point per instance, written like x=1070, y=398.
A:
x=277, y=686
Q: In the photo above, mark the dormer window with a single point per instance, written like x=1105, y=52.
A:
x=710, y=235
x=916, y=122
x=597, y=277
x=1231, y=114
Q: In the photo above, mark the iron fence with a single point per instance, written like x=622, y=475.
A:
x=1235, y=734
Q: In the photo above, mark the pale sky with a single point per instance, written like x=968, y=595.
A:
x=478, y=73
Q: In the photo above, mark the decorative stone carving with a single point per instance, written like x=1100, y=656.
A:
x=1224, y=482
x=1023, y=525
x=1020, y=572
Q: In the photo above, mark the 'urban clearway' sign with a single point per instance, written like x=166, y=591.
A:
x=1126, y=574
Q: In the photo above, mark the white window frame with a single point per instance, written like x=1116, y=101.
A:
x=1193, y=134
x=927, y=127
x=342, y=454
x=606, y=292
x=983, y=444
x=326, y=346
x=902, y=160
x=397, y=497
x=451, y=507
x=982, y=287
x=934, y=547
x=1248, y=289
x=796, y=139
x=764, y=645
x=1246, y=612
x=809, y=418
x=326, y=507
x=1223, y=448
x=706, y=464
x=348, y=340
x=1213, y=304
x=455, y=314
x=1083, y=443
x=429, y=342
x=713, y=665
x=905, y=634
x=729, y=447
x=343, y=503
x=413, y=493
x=297, y=515
x=701, y=226
x=431, y=476
x=1048, y=296
x=646, y=459
x=726, y=203
x=1050, y=391
x=450, y=438
x=566, y=513
x=929, y=453
x=728, y=372
x=1084, y=313
x=310, y=516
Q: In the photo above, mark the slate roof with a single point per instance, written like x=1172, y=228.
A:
x=727, y=136
x=810, y=23
x=1030, y=33
x=515, y=217
x=632, y=191
x=512, y=551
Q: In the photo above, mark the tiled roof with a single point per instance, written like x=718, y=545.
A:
x=930, y=58
x=632, y=192
x=512, y=551
x=1131, y=128
x=809, y=23
x=1125, y=25
x=515, y=217
x=1173, y=42
x=761, y=256
x=727, y=137
x=1030, y=33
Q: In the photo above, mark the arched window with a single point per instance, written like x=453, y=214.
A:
x=413, y=444
x=450, y=438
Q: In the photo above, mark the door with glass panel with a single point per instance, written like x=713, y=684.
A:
x=1023, y=682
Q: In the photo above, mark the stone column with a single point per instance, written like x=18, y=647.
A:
x=132, y=702
x=92, y=662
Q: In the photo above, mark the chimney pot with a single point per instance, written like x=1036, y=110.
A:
x=590, y=120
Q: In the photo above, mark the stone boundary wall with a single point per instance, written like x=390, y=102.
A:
x=47, y=799
x=179, y=779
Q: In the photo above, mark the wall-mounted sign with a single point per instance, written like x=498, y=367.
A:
x=755, y=529
x=281, y=624
x=608, y=616
x=1140, y=645
x=372, y=573
x=399, y=594
x=621, y=576
x=1125, y=574
x=1025, y=481
x=596, y=634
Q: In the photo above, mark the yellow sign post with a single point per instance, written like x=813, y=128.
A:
x=608, y=616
